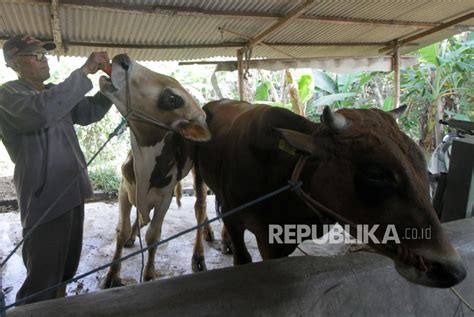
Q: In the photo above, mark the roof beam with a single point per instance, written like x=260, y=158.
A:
x=293, y=15
x=262, y=43
x=220, y=45
x=418, y=36
x=210, y=45
x=190, y=11
x=56, y=27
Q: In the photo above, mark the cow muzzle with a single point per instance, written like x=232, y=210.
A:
x=430, y=271
x=122, y=60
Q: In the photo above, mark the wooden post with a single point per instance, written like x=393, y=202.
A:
x=56, y=28
x=240, y=70
x=396, y=76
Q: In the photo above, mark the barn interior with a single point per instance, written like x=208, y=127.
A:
x=366, y=35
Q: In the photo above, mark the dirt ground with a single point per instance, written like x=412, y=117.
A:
x=7, y=189
x=172, y=259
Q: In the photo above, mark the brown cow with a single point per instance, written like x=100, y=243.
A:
x=359, y=165
x=162, y=117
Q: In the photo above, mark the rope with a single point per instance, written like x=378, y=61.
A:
x=290, y=186
x=462, y=299
x=141, y=246
x=118, y=130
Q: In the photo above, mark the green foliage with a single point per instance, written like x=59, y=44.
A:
x=388, y=103
x=323, y=82
x=333, y=98
x=104, y=179
x=445, y=75
x=304, y=88
x=262, y=93
x=429, y=54
x=93, y=136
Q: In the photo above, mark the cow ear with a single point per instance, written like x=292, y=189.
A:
x=300, y=141
x=193, y=131
x=397, y=112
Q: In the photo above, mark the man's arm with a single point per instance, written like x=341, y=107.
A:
x=25, y=113
x=91, y=109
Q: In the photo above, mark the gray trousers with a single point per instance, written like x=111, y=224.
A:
x=51, y=255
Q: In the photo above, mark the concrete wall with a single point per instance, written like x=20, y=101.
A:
x=360, y=284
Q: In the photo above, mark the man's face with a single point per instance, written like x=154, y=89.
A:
x=32, y=66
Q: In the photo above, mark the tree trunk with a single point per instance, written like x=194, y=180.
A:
x=427, y=134
x=439, y=116
x=215, y=85
x=294, y=95
x=378, y=94
x=283, y=87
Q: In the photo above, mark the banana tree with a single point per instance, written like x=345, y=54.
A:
x=444, y=77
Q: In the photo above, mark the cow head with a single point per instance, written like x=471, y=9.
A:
x=154, y=96
x=370, y=172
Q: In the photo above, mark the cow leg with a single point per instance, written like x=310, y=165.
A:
x=112, y=278
x=200, y=190
x=153, y=234
x=198, y=262
x=239, y=249
x=226, y=246
x=266, y=250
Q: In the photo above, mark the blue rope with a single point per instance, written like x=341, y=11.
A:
x=291, y=185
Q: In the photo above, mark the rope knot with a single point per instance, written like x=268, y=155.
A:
x=295, y=185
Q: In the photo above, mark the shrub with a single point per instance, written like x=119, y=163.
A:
x=105, y=179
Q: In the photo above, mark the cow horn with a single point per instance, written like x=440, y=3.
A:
x=397, y=112
x=334, y=120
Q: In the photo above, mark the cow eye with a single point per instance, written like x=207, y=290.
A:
x=374, y=183
x=376, y=175
x=169, y=100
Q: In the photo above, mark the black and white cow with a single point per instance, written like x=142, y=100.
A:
x=160, y=156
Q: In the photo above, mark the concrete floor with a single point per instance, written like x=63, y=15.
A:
x=172, y=259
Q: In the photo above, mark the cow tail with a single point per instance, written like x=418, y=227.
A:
x=218, y=205
x=178, y=193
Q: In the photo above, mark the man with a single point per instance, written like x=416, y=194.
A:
x=36, y=127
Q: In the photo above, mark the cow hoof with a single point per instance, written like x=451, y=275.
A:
x=130, y=243
x=226, y=248
x=208, y=234
x=111, y=282
x=198, y=263
x=150, y=277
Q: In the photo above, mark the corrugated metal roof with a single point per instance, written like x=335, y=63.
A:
x=91, y=25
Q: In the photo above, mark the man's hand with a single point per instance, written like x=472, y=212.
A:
x=96, y=61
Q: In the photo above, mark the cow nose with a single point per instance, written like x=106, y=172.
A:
x=123, y=60
x=448, y=274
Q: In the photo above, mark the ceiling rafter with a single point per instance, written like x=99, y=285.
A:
x=442, y=26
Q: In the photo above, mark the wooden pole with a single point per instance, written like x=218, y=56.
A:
x=396, y=76
x=56, y=28
x=240, y=71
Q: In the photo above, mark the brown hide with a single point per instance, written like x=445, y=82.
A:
x=360, y=165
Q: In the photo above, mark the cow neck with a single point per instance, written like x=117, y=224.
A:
x=319, y=209
x=147, y=134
